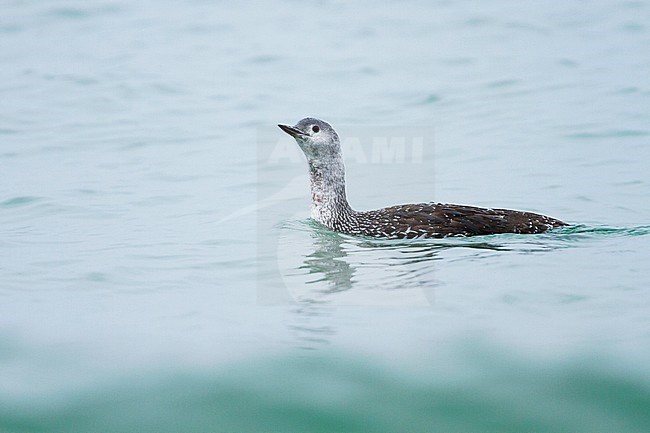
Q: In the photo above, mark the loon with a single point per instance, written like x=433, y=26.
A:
x=321, y=145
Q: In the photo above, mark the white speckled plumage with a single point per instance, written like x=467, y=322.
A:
x=321, y=145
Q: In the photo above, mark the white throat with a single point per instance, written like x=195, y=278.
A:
x=328, y=198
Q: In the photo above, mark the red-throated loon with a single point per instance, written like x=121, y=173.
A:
x=320, y=144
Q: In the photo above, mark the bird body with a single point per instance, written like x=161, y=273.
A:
x=320, y=144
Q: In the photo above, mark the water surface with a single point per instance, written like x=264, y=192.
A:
x=159, y=272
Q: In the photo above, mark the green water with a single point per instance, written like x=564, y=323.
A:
x=159, y=271
x=487, y=392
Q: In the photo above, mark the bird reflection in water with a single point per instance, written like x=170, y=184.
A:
x=378, y=272
x=328, y=262
x=343, y=270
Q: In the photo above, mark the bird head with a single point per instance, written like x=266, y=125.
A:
x=317, y=139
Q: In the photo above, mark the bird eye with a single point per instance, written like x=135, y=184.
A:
x=315, y=128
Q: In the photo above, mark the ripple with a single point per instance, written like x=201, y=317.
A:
x=604, y=231
x=19, y=201
x=609, y=134
x=76, y=13
x=68, y=12
x=341, y=269
x=430, y=99
x=502, y=83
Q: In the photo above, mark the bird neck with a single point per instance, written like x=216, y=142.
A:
x=328, y=198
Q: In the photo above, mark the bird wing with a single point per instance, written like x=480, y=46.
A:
x=440, y=220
